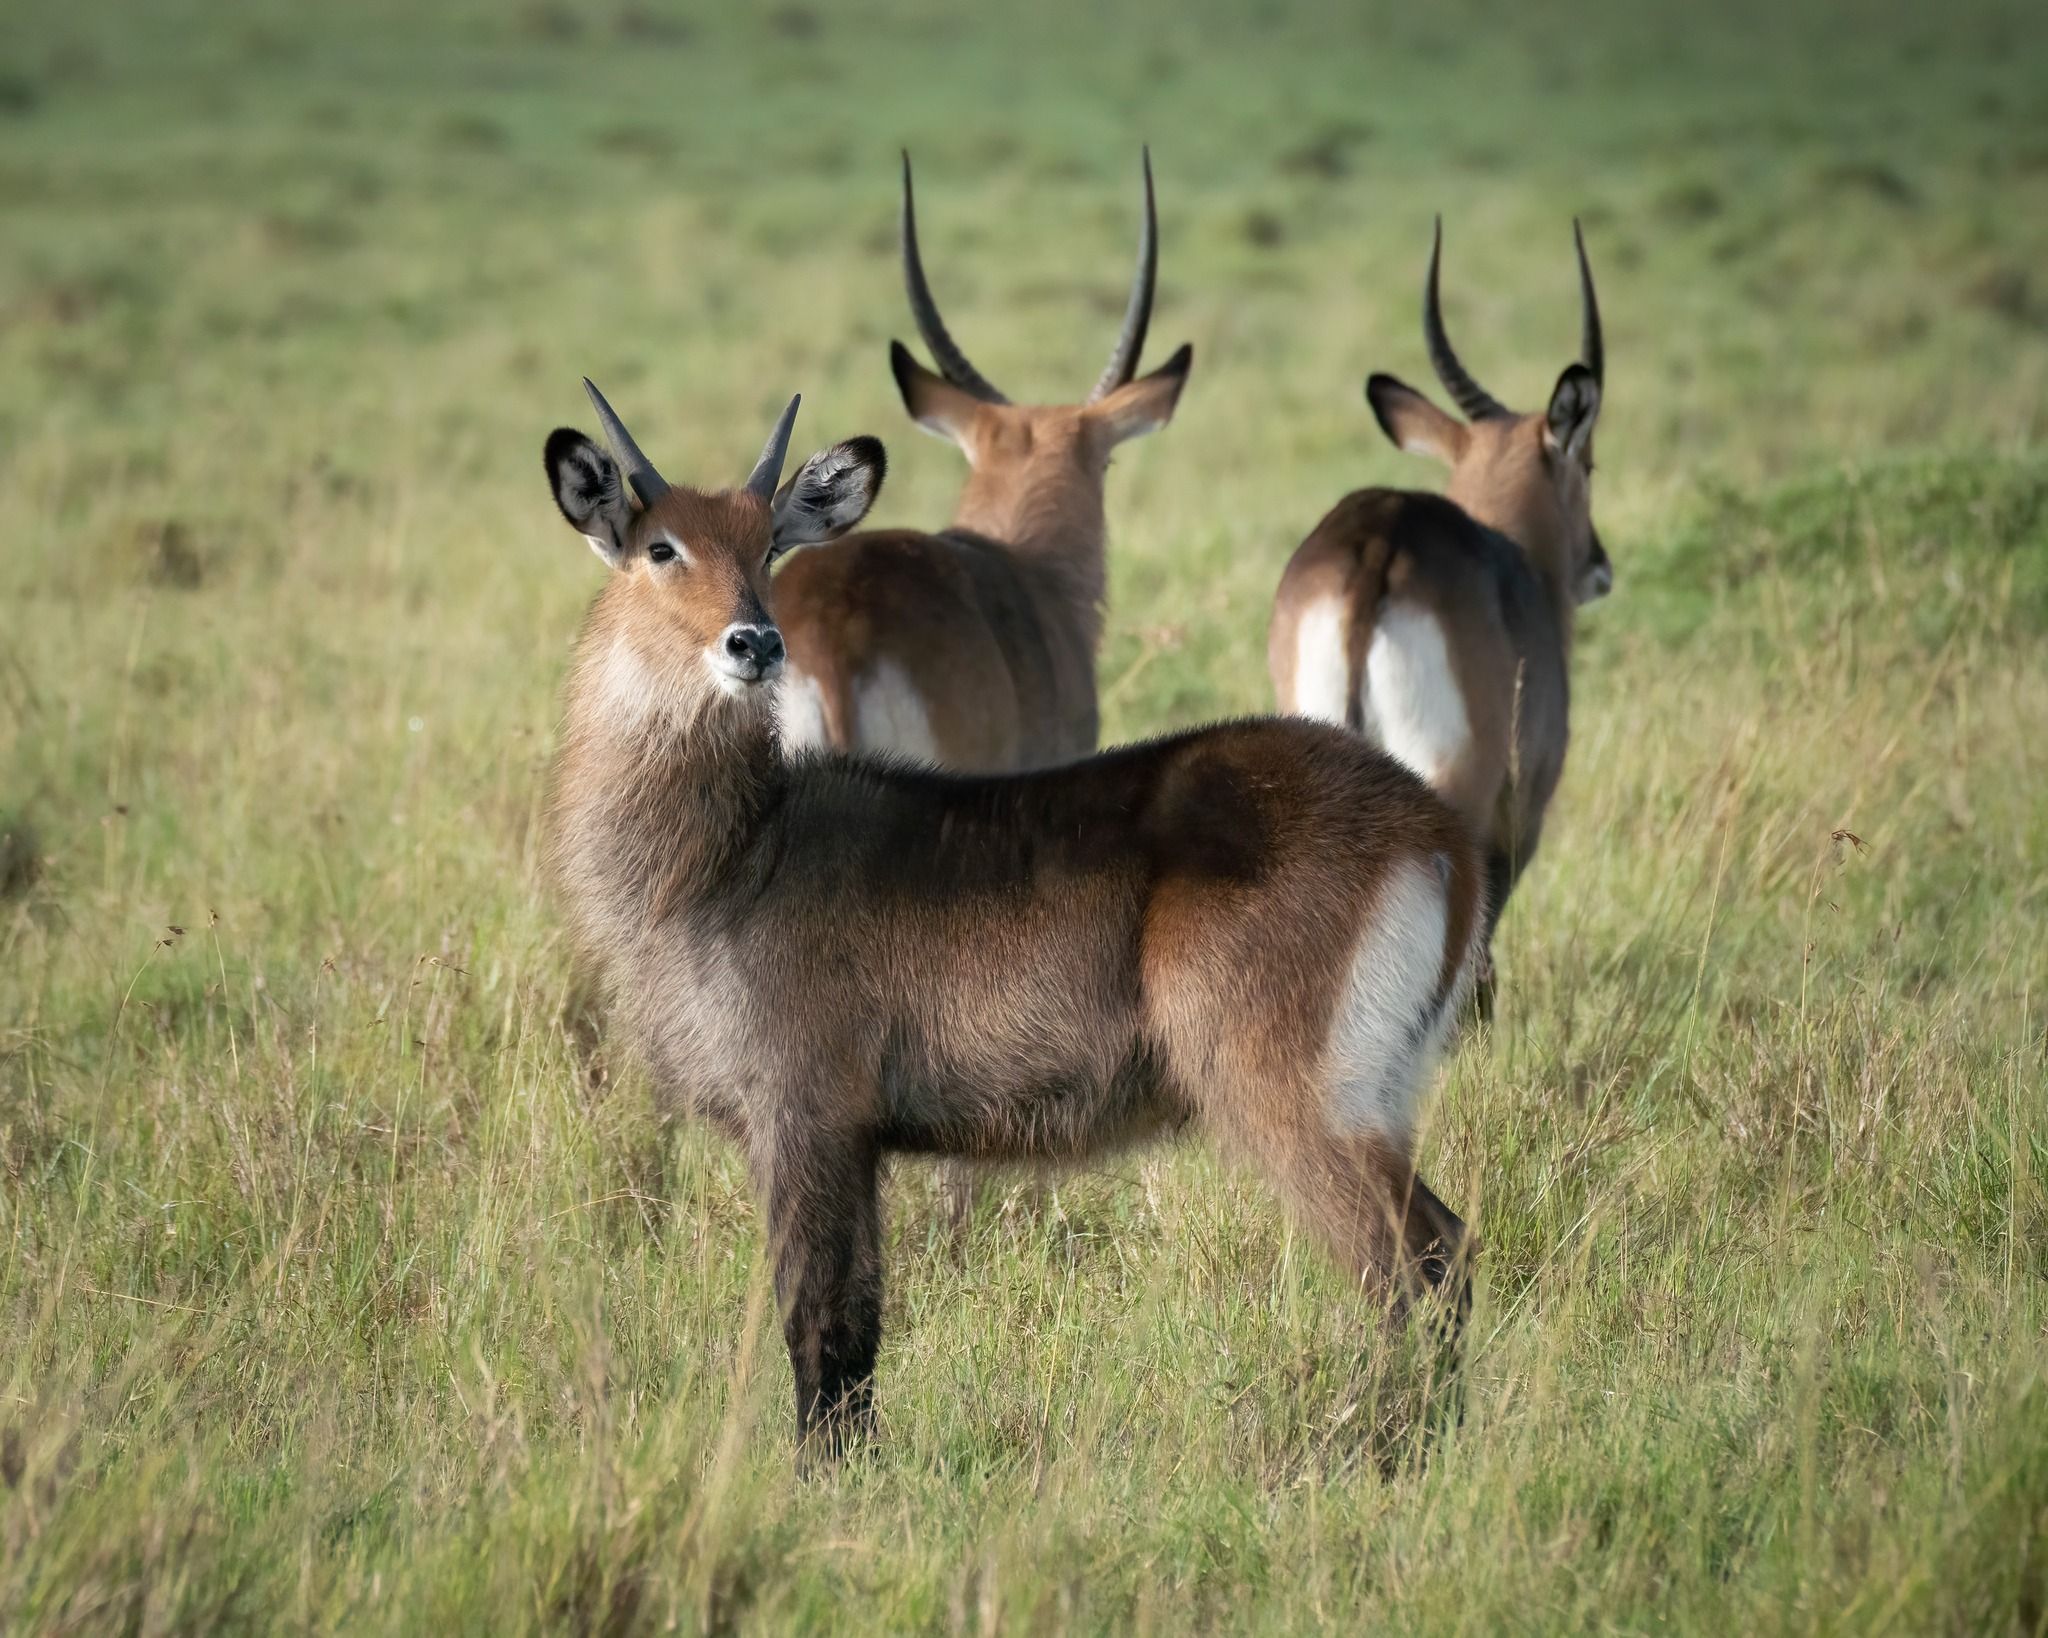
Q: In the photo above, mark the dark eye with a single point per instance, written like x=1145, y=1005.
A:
x=661, y=552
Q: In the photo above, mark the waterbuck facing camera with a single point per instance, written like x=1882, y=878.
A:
x=1262, y=928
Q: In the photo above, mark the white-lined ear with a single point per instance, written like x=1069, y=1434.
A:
x=1412, y=423
x=830, y=493
x=934, y=403
x=1146, y=404
x=586, y=485
x=1574, y=407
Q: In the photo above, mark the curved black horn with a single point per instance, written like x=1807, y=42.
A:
x=1130, y=341
x=767, y=473
x=1473, y=399
x=951, y=360
x=647, y=483
x=1592, y=351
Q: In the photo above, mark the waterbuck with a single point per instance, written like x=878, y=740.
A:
x=1441, y=626
x=974, y=648
x=1264, y=927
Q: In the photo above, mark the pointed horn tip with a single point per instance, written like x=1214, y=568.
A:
x=953, y=364
x=767, y=473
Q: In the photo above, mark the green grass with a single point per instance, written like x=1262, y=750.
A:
x=350, y=1280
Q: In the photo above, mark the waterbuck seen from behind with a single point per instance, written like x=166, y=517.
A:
x=1263, y=928
x=974, y=648
x=1441, y=626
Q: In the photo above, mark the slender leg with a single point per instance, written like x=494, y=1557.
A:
x=1337, y=1188
x=824, y=1217
x=1440, y=1249
x=1500, y=882
x=1380, y=1221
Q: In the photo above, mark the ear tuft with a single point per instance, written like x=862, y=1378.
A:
x=1574, y=407
x=588, y=490
x=830, y=493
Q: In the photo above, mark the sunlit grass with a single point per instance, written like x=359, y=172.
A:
x=350, y=1278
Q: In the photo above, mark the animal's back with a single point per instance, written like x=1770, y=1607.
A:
x=1011, y=948
x=931, y=647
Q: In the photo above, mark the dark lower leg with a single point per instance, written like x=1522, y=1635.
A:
x=1439, y=1249
x=824, y=1213
x=1338, y=1189
x=1500, y=881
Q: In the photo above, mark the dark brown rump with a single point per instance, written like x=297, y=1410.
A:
x=1048, y=629
x=1330, y=817
x=1381, y=537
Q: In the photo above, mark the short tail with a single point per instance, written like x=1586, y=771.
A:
x=1363, y=596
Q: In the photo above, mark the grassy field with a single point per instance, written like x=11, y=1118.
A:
x=350, y=1281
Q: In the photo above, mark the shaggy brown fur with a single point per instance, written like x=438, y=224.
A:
x=1258, y=928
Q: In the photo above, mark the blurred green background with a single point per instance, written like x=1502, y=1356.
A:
x=349, y=1279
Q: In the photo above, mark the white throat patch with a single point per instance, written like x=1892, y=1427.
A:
x=631, y=693
x=800, y=711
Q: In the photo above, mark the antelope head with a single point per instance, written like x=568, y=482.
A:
x=1020, y=450
x=1529, y=476
x=687, y=607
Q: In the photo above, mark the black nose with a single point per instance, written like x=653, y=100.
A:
x=760, y=644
